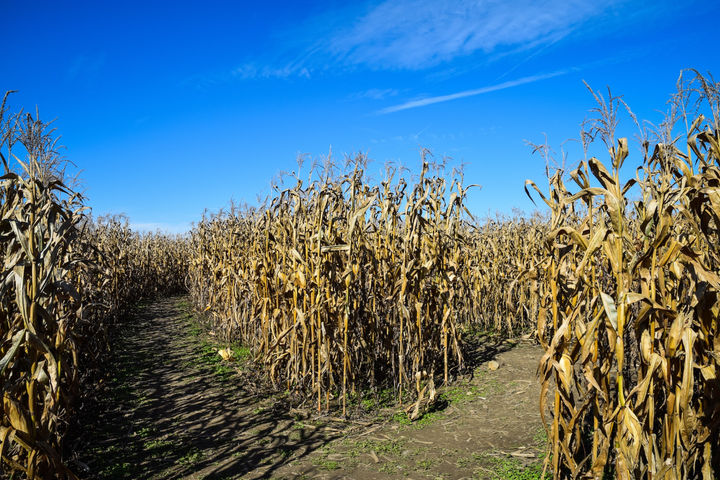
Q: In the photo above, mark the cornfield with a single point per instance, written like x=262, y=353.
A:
x=340, y=285
x=629, y=300
x=499, y=251
x=65, y=279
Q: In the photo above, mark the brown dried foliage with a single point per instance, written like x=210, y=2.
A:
x=65, y=279
x=342, y=284
x=629, y=302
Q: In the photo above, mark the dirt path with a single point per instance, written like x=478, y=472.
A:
x=170, y=409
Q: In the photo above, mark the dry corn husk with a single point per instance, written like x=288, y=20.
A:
x=227, y=355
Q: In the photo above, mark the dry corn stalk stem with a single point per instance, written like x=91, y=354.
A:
x=629, y=302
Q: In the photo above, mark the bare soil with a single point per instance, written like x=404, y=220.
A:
x=169, y=408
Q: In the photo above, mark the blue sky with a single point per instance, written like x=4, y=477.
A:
x=172, y=108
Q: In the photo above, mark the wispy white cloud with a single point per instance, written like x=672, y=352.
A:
x=415, y=34
x=181, y=227
x=246, y=71
x=85, y=67
x=202, y=81
x=250, y=70
x=374, y=94
x=416, y=136
x=420, y=34
x=445, y=136
x=469, y=93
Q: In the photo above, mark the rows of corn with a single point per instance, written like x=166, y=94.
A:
x=500, y=250
x=342, y=285
x=629, y=299
x=66, y=279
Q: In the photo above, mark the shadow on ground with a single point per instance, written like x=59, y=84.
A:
x=168, y=408
x=164, y=413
